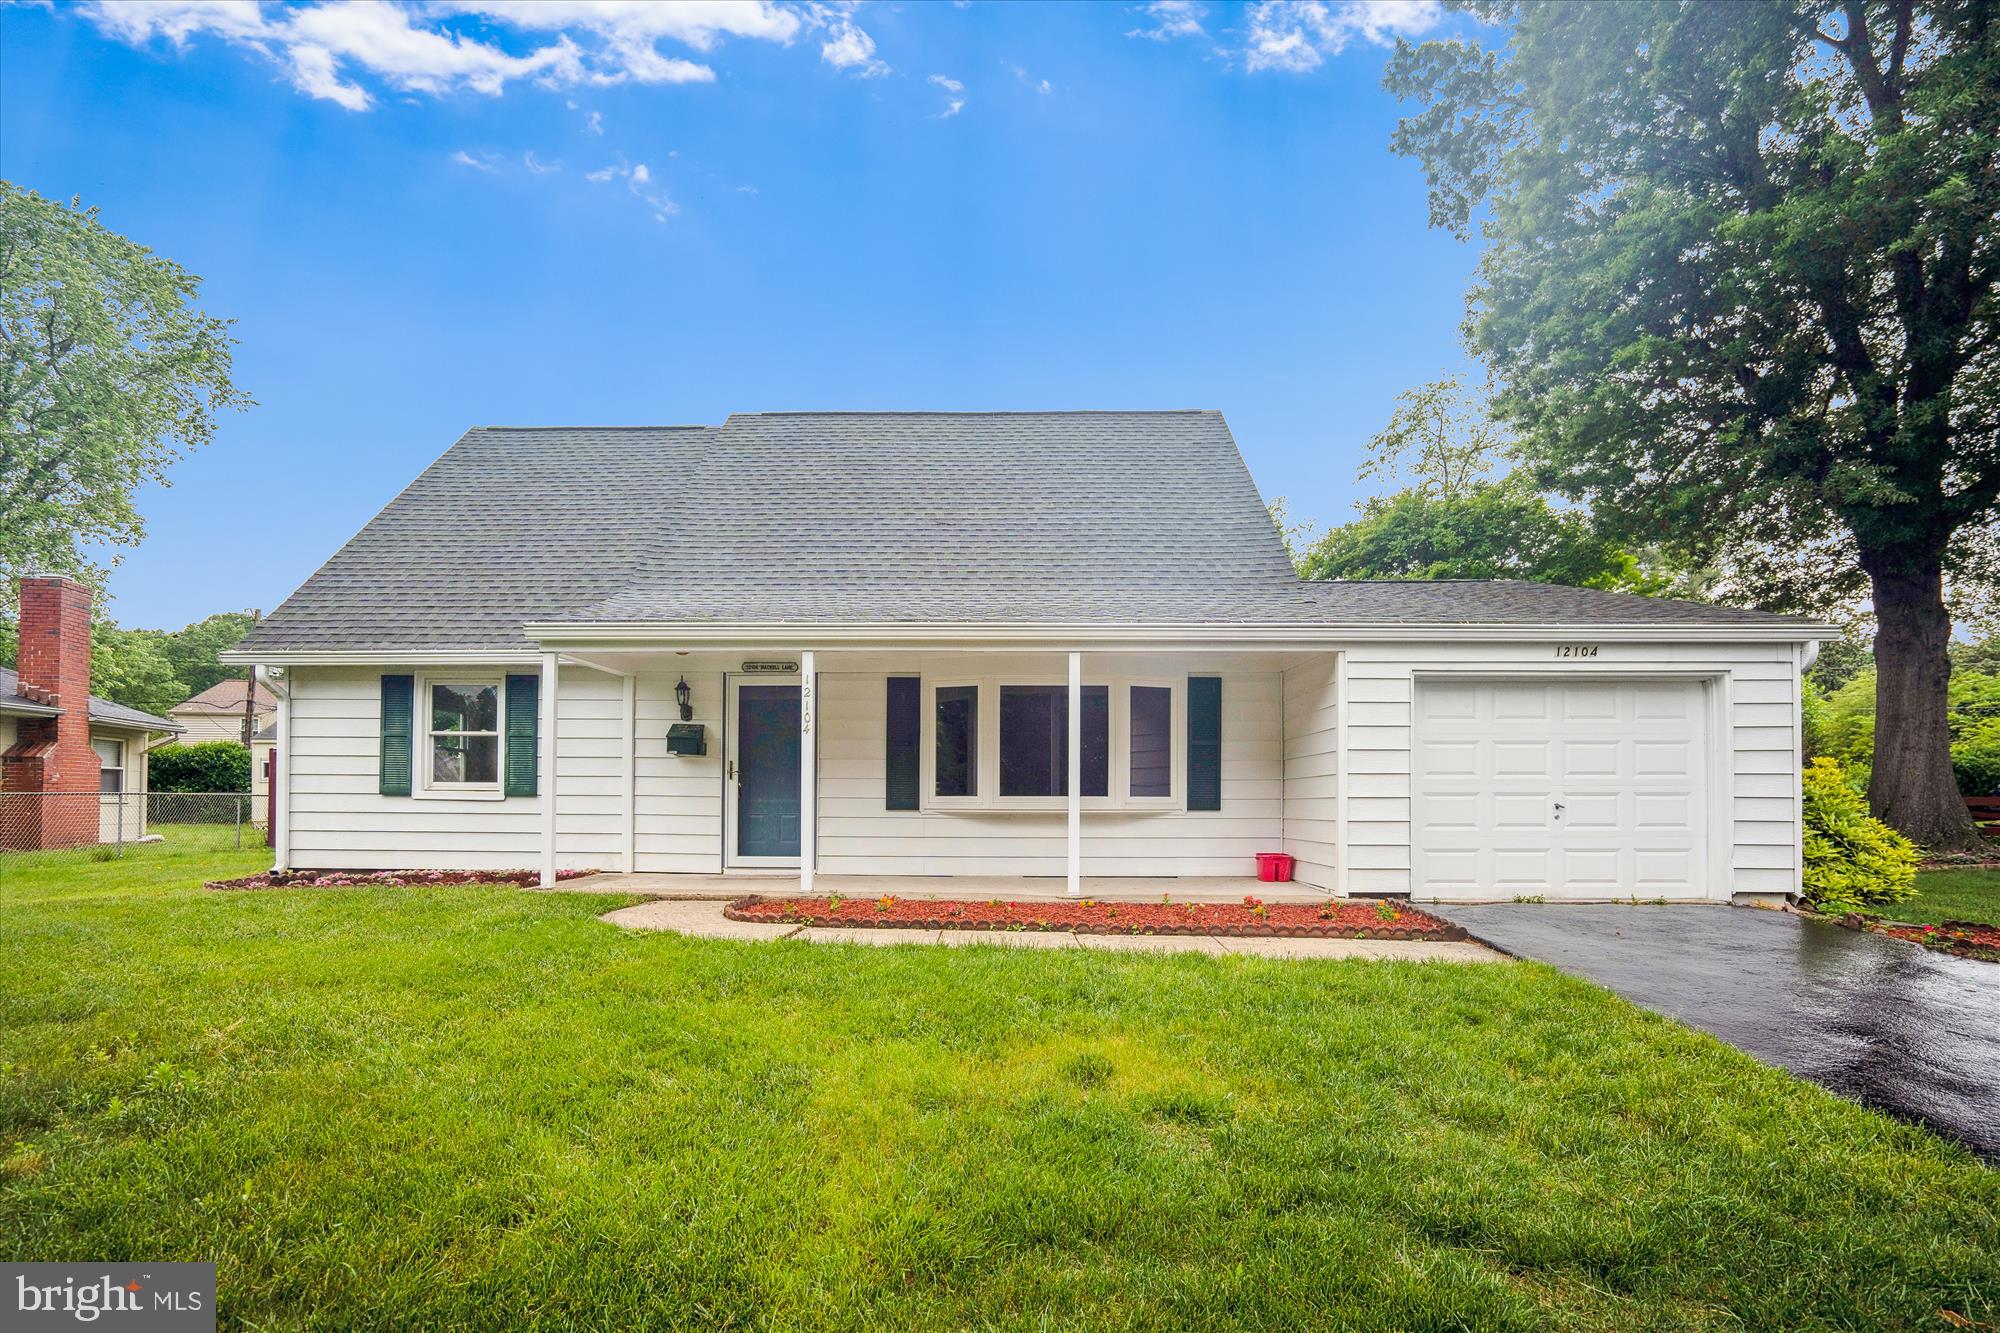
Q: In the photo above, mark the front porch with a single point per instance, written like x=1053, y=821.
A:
x=1121, y=771
x=979, y=888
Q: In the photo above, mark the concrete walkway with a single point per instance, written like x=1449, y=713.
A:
x=705, y=919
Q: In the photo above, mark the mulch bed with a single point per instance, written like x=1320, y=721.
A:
x=1967, y=939
x=1329, y=920
x=398, y=879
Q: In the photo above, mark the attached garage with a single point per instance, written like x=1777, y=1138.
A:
x=1576, y=788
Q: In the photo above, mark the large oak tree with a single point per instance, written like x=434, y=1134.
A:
x=1739, y=283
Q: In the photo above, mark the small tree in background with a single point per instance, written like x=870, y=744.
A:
x=1461, y=510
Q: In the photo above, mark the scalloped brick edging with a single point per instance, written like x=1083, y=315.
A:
x=394, y=879
x=1335, y=919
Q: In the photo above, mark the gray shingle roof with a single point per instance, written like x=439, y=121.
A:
x=101, y=710
x=951, y=518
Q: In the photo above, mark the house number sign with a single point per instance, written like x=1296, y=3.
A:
x=1576, y=650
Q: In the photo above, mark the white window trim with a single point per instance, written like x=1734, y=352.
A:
x=103, y=768
x=421, y=785
x=1120, y=777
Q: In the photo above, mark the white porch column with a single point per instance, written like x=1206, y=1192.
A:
x=545, y=726
x=280, y=799
x=1075, y=787
x=808, y=770
x=628, y=856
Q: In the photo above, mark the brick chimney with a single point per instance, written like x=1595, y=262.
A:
x=52, y=755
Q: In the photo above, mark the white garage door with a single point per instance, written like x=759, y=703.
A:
x=1570, y=789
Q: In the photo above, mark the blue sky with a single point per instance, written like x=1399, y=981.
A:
x=466, y=212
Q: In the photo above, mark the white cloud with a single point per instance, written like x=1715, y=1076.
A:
x=638, y=179
x=847, y=46
x=536, y=165
x=331, y=48
x=596, y=122
x=1044, y=88
x=954, y=101
x=484, y=162
x=1171, y=19
x=1301, y=34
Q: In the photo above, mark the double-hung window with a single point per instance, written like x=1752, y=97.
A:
x=1002, y=743
x=461, y=753
x=110, y=766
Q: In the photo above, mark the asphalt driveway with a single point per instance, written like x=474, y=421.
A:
x=1890, y=1024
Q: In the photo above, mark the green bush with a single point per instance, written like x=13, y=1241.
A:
x=1841, y=725
x=203, y=766
x=1854, y=862
x=1975, y=757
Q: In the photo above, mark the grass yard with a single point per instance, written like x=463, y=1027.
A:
x=1953, y=895
x=484, y=1108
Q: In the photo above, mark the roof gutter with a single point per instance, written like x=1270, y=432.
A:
x=562, y=634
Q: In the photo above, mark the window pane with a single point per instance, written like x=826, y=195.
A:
x=1152, y=740
x=465, y=759
x=958, y=740
x=1034, y=740
x=110, y=754
x=465, y=708
x=110, y=779
x=1097, y=740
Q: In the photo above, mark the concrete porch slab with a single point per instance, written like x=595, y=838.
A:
x=975, y=888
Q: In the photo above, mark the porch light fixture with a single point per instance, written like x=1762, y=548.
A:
x=683, y=696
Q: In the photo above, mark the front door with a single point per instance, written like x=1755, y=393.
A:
x=762, y=772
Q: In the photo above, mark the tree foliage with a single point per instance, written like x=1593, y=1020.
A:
x=1739, y=283
x=1458, y=513
x=1840, y=723
x=108, y=374
x=154, y=669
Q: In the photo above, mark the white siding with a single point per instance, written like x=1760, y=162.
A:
x=1756, y=689
x=339, y=821
x=1312, y=771
x=857, y=836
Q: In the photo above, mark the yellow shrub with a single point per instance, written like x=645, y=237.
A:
x=1854, y=862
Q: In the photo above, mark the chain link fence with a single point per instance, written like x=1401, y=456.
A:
x=44, y=829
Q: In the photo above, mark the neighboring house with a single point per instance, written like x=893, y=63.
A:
x=216, y=714
x=72, y=765
x=1011, y=644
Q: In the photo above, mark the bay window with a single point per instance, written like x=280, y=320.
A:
x=1002, y=743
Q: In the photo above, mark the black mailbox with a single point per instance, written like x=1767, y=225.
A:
x=687, y=738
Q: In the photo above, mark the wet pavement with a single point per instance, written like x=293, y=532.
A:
x=1890, y=1024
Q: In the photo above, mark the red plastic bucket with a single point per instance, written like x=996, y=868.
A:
x=1274, y=867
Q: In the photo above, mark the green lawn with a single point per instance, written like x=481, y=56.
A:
x=485, y=1108
x=1952, y=895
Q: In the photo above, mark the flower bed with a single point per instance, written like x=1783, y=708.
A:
x=1328, y=920
x=398, y=879
x=1968, y=939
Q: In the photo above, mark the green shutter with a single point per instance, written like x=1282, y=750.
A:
x=1204, y=718
x=905, y=729
x=397, y=695
x=523, y=738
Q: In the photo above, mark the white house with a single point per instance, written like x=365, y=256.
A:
x=216, y=714
x=1061, y=644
